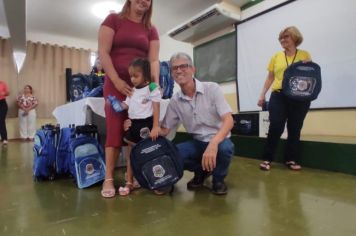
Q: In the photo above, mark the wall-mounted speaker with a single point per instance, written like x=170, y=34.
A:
x=68, y=79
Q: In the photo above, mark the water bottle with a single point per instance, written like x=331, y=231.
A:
x=115, y=103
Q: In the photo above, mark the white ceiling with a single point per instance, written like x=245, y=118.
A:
x=73, y=18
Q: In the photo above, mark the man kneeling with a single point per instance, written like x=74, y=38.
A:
x=205, y=114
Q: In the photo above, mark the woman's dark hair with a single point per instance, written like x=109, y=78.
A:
x=144, y=65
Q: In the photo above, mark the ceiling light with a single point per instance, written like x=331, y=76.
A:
x=103, y=9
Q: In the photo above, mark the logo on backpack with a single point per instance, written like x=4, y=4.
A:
x=89, y=169
x=158, y=171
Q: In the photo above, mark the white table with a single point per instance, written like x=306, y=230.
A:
x=79, y=112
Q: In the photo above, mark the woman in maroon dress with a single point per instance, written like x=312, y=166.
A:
x=123, y=37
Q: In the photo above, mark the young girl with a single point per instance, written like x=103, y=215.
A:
x=143, y=111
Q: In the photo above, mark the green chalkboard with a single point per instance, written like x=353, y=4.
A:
x=216, y=60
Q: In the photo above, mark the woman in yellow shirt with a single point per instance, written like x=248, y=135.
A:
x=282, y=109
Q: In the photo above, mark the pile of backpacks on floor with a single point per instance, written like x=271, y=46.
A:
x=68, y=152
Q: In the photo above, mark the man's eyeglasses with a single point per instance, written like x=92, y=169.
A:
x=182, y=67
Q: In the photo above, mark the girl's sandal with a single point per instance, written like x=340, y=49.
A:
x=125, y=191
x=135, y=183
x=108, y=192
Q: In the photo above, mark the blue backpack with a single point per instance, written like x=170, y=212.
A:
x=44, y=150
x=156, y=164
x=302, y=81
x=87, y=160
x=165, y=80
x=63, y=152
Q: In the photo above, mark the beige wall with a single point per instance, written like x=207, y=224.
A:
x=330, y=122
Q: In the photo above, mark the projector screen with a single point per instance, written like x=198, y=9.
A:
x=329, y=31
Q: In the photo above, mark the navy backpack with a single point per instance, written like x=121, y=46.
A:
x=156, y=164
x=302, y=81
x=44, y=150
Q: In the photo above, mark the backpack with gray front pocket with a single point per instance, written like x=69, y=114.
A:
x=302, y=81
x=87, y=159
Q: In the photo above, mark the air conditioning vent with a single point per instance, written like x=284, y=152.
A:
x=177, y=31
x=204, y=17
x=209, y=21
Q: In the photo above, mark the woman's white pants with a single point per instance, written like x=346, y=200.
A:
x=27, y=124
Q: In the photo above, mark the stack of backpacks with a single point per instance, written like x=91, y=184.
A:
x=68, y=152
x=82, y=86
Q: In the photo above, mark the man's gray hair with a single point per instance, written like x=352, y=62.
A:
x=181, y=55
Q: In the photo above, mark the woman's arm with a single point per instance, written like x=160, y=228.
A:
x=153, y=56
x=266, y=86
x=19, y=103
x=34, y=104
x=5, y=92
x=106, y=36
